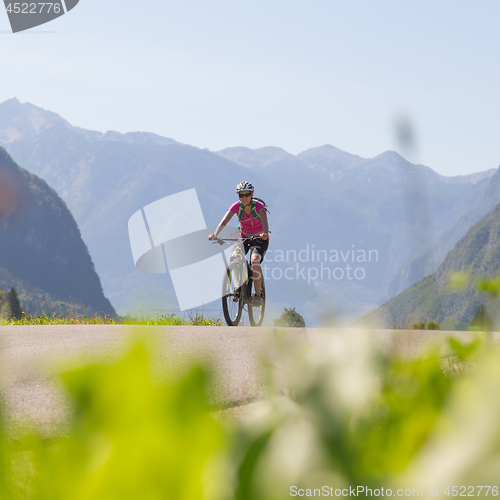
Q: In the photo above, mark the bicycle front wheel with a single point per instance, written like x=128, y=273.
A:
x=232, y=295
x=256, y=314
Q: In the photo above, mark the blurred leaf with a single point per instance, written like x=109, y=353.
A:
x=4, y=465
x=412, y=396
x=465, y=351
x=245, y=489
x=130, y=438
x=490, y=286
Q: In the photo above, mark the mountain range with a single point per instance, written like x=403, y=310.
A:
x=323, y=199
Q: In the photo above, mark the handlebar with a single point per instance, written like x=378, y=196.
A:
x=221, y=241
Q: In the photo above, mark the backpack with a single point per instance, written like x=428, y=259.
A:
x=254, y=211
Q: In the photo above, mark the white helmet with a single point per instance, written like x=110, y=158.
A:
x=244, y=186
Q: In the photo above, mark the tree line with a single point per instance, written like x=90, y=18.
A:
x=10, y=306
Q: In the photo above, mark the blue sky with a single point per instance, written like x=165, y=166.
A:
x=285, y=73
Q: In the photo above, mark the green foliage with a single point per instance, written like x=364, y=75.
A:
x=195, y=319
x=371, y=431
x=429, y=325
x=131, y=437
x=290, y=318
x=432, y=325
x=14, y=304
x=401, y=418
x=5, y=312
x=38, y=302
x=465, y=352
x=137, y=433
x=489, y=286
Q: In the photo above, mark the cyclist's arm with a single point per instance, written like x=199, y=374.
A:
x=223, y=222
x=263, y=218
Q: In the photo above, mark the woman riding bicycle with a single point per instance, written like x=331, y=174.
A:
x=253, y=222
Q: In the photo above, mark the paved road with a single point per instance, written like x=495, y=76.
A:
x=28, y=355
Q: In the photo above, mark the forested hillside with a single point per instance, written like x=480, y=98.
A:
x=42, y=253
x=477, y=254
x=413, y=271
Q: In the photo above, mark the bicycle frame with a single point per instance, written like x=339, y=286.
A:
x=239, y=291
x=239, y=255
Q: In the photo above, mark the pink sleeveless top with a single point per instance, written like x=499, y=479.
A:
x=249, y=224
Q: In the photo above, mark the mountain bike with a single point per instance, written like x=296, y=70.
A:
x=238, y=287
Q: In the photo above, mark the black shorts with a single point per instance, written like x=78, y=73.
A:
x=259, y=247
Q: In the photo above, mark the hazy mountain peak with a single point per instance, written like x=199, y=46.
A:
x=250, y=158
x=19, y=119
x=14, y=101
x=470, y=178
x=393, y=159
x=491, y=195
x=391, y=155
x=271, y=150
x=330, y=160
x=397, y=163
x=145, y=138
x=326, y=151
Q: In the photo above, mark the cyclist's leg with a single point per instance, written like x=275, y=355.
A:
x=256, y=272
x=258, y=252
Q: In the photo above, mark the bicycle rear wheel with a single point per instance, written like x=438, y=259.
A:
x=232, y=295
x=256, y=314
